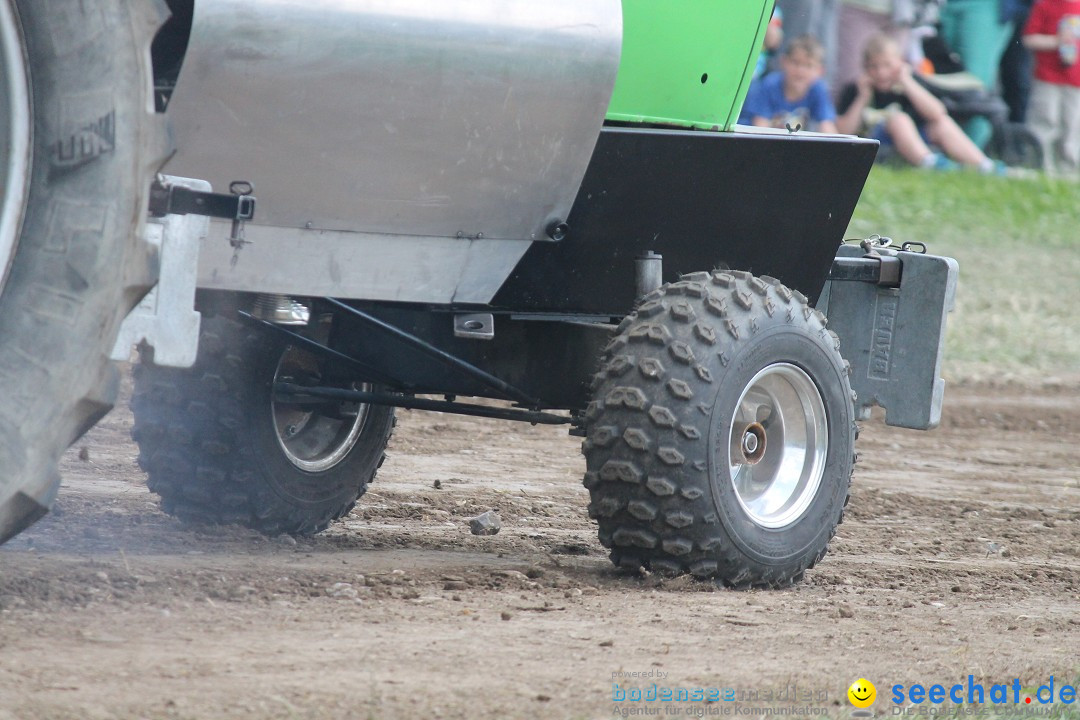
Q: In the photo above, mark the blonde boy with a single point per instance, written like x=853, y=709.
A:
x=888, y=103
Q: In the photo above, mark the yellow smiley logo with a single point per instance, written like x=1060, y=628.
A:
x=862, y=693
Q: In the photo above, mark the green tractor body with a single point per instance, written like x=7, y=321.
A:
x=687, y=63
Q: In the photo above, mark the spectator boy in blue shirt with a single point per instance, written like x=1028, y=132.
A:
x=796, y=94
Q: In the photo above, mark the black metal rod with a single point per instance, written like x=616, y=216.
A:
x=369, y=372
x=291, y=392
x=508, y=390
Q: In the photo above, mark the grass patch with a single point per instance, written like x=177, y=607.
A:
x=1017, y=242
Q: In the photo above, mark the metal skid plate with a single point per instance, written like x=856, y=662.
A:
x=894, y=338
x=166, y=319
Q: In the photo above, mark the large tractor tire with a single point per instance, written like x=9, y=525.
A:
x=79, y=146
x=219, y=449
x=720, y=437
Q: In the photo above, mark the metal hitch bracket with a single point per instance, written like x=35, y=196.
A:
x=167, y=198
x=881, y=270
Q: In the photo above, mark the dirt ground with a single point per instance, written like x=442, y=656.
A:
x=960, y=555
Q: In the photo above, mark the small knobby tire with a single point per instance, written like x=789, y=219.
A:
x=658, y=431
x=209, y=442
x=74, y=260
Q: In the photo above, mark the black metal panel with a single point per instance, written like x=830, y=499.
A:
x=770, y=204
x=549, y=360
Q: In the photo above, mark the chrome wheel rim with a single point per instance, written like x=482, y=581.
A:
x=778, y=443
x=15, y=138
x=314, y=440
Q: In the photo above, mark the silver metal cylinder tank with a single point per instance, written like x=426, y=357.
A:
x=455, y=118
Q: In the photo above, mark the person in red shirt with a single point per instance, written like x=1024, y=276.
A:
x=1052, y=33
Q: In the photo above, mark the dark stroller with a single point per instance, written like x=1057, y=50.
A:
x=965, y=97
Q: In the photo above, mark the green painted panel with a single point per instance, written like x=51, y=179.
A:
x=687, y=62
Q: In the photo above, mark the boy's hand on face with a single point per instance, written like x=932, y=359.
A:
x=906, y=77
x=864, y=85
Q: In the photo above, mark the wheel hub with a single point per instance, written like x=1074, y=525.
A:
x=754, y=442
x=778, y=445
x=314, y=437
x=15, y=135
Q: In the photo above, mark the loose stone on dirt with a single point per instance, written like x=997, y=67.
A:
x=342, y=590
x=487, y=523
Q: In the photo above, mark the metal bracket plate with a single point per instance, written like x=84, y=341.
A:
x=894, y=338
x=166, y=319
x=477, y=326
